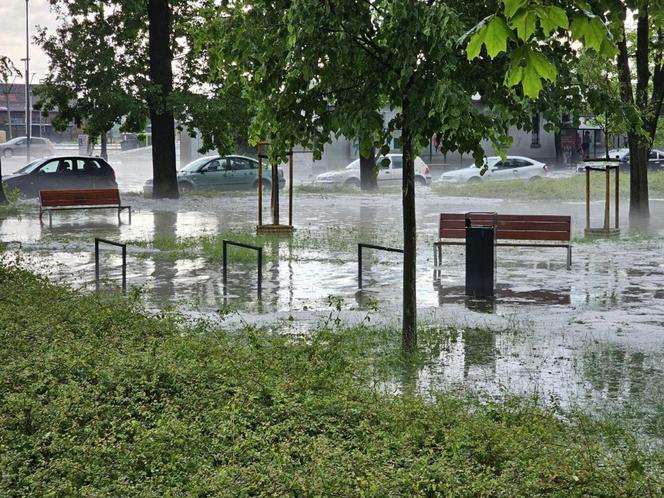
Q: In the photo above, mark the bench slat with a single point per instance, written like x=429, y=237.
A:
x=509, y=226
x=80, y=197
x=508, y=217
x=512, y=234
x=513, y=225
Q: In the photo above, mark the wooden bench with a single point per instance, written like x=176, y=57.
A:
x=63, y=200
x=517, y=230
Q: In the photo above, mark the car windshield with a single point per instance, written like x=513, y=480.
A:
x=28, y=168
x=354, y=165
x=195, y=165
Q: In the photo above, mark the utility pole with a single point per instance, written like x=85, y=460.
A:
x=28, y=109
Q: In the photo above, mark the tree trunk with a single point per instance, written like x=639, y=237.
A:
x=163, y=125
x=409, y=330
x=104, y=145
x=639, y=211
x=368, y=173
x=3, y=197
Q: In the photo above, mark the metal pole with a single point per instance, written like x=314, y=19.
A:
x=359, y=266
x=607, y=200
x=290, y=189
x=587, y=199
x=260, y=184
x=124, y=269
x=97, y=265
x=618, y=198
x=260, y=272
x=28, y=110
x=224, y=262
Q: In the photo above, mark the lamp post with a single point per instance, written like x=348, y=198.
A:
x=28, y=110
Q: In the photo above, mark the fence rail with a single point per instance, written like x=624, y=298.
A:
x=359, y=257
x=124, y=262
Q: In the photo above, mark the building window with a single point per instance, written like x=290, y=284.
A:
x=535, y=141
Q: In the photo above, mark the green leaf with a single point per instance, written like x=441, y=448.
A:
x=497, y=34
x=552, y=18
x=542, y=66
x=475, y=44
x=595, y=34
x=590, y=30
x=524, y=24
x=531, y=82
x=579, y=27
x=608, y=49
x=512, y=6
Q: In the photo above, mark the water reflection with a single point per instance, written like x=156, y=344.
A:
x=479, y=350
x=164, y=270
x=505, y=295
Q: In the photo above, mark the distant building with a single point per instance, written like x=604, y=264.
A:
x=12, y=115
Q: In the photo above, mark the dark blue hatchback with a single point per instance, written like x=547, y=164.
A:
x=55, y=173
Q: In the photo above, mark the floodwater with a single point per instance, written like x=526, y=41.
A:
x=592, y=337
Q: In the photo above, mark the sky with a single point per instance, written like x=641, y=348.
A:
x=12, y=33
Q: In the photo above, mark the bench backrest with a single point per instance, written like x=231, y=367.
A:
x=509, y=226
x=82, y=197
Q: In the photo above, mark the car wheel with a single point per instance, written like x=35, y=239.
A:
x=534, y=178
x=474, y=179
x=420, y=181
x=8, y=153
x=352, y=182
x=185, y=187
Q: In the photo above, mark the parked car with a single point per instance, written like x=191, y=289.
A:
x=39, y=147
x=511, y=168
x=655, y=158
x=390, y=173
x=70, y=172
x=222, y=173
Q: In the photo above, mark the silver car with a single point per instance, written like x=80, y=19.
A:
x=510, y=168
x=390, y=172
x=39, y=147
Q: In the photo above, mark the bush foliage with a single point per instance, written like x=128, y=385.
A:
x=99, y=398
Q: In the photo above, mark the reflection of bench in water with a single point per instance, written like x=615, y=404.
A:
x=65, y=200
x=518, y=230
x=504, y=294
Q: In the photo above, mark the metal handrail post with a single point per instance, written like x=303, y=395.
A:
x=97, y=265
x=124, y=262
x=361, y=246
x=224, y=256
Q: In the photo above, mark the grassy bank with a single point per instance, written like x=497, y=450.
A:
x=100, y=399
x=565, y=189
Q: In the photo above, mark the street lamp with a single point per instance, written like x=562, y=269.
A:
x=28, y=110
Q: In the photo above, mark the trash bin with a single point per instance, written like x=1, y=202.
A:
x=481, y=255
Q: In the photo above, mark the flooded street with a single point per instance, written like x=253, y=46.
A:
x=592, y=337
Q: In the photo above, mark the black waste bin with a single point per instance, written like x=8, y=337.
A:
x=481, y=255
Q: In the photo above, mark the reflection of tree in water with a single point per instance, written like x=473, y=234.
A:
x=615, y=371
x=165, y=226
x=479, y=350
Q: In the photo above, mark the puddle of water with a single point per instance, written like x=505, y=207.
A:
x=593, y=336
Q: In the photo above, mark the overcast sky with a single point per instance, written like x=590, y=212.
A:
x=12, y=33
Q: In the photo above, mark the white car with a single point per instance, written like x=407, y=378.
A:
x=511, y=168
x=390, y=174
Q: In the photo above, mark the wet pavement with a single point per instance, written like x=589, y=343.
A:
x=591, y=337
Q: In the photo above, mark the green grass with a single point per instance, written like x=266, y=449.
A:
x=13, y=207
x=565, y=189
x=100, y=398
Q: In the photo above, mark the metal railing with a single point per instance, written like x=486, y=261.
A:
x=124, y=262
x=359, y=258
x=258, y=249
